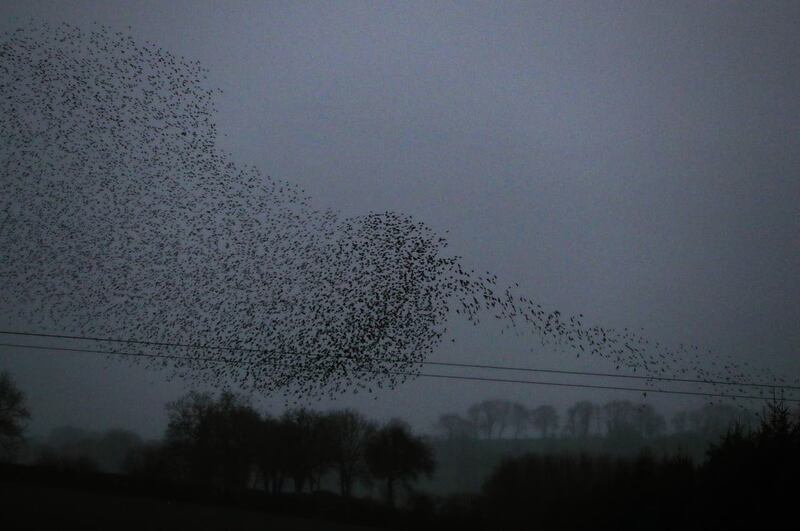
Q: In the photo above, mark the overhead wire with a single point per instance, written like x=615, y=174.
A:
x=431, y=363
x=643, y=390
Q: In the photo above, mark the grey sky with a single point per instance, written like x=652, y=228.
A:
x=635, y=162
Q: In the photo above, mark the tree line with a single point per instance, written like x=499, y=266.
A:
x=14, y=414
x=224, y=442
x=499, y=418
x=749, y=477
x=750, y=473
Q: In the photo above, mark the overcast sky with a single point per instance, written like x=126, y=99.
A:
x=635, y=162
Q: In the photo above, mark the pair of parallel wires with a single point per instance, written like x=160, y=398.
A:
x=478, y=375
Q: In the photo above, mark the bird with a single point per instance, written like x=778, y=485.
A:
x=123, y=218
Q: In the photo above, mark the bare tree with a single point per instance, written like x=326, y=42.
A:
x=502, y=409
x=680, y=421
x=489, y=414
x=599, y=419
x=393, y=454
x=216, y=440
x=520, y=418
x=579, y=419
x=454, y=427
x=310, y=452
x=545, y=420
x=350, y=431
x=13, y=414
x=649, y=423
x=273, y=453
x=620, y=416
x=714, y=420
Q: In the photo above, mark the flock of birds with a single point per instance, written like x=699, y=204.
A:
x=122, y=218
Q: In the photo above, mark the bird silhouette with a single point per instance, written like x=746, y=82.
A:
x=122, y=217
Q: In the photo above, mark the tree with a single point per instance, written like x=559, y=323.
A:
x=680, y=421
x=579, y=419
x=456, y=427
x=350, y=432
x=108, y=450
x=545, y=420
x=153, y=461
x=13, y=414
x=714, y=420
x=620, y=417
x=519, y=417
x=623, y=435
x=755, y=469
x=215, y=440
x=394, y=454
x=273, y=453
x=649, y=423
x=599, y=419
x=488, y=414
x=628, y=425
x=309, y=449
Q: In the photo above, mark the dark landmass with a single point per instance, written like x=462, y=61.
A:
x=45, y=498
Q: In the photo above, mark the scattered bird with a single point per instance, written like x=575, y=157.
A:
x=121, y=217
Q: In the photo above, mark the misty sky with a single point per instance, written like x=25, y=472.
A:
x=638, y=163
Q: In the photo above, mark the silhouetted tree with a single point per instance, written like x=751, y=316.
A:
x=519, y=417
x=622, y=433
x=113, y=446
x=620, y=415
x=273, y=453
x=540, y=487
x=107, y=450
x=13, y=414
x=154, y=461
x=454, y=427
x=714, y=420
x=502, y=410
x=215, y=440
x=680, y=421
x=588, y=491
x=394, y=454
x=68, y=436
x=545, y=420
x=350, y=431
x=648, y=422
x=50, y=458
x=755, y=470
x=579, y=419
x=310, y=452
x=489, y=414
x=599, y=419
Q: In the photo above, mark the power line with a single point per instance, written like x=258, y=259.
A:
x=432, y=363
x=608, y=387
x=643, y=390
x=611, y=375
x=121, y=353
x=131, y=341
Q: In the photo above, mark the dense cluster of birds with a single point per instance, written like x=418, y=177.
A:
x=121, y=217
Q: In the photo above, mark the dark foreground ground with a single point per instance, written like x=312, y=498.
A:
x=49, y=508
x=46, y=500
